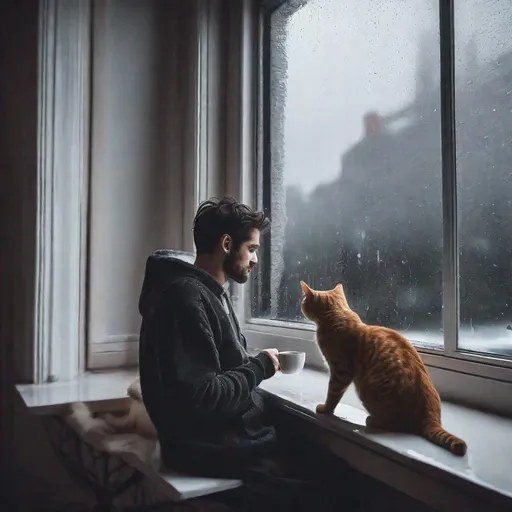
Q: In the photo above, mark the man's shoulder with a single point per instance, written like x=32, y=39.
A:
x=186, y=286
x=186, y=290
x=187, y=297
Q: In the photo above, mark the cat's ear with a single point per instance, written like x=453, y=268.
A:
x=339, y=290
x=306, y=289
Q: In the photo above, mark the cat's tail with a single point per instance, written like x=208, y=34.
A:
x=438, y=435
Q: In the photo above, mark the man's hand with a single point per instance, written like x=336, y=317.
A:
x=273, y=354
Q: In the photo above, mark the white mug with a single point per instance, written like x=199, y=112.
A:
x=291, y=361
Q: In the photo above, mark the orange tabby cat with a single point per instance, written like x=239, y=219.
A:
x=389, y=375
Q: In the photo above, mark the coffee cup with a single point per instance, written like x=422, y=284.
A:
x=291, y=361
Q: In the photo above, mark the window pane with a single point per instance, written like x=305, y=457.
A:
x=484, y=162
x=355, y=164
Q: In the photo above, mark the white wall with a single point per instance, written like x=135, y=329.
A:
x=140, y=131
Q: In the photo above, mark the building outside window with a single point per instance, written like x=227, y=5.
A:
x=363, y=182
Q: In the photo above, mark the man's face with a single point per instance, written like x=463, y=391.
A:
x=239, y=263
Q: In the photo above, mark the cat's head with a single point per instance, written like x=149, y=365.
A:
x=317, y=303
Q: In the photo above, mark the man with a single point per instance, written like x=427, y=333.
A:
x=198, y=382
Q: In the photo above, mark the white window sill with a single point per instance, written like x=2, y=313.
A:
x=486, y=468
x=105, y=390
x=479, y=385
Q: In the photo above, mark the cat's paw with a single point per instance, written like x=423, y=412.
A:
x=322, y=409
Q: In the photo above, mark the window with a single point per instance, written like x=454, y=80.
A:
x=373, y=176
x=483, y=80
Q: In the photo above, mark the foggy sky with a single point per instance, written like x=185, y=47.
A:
x=346, y=58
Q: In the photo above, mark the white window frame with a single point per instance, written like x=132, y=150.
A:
x=479, y=380
x=62, y=189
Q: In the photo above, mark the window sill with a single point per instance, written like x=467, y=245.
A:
x=476, y=384
x=483, y=472
x=103, y=391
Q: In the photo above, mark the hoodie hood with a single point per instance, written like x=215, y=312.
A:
x=163, y=267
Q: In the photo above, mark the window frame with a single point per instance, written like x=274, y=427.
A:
x=58, y=348
x=477, y=379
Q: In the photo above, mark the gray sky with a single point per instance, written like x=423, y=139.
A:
x=347, y=57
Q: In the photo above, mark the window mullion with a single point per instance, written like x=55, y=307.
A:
x=449, y=179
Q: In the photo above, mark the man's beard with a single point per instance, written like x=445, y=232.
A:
x=233, y=270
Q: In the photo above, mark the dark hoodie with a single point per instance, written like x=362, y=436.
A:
x=198, y=382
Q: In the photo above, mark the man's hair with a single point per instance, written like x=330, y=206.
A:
x=215, y=218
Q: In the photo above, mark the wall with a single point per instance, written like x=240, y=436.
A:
x=18, y=161
x=18, y=164
x=143, y=96
x=42, y=481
